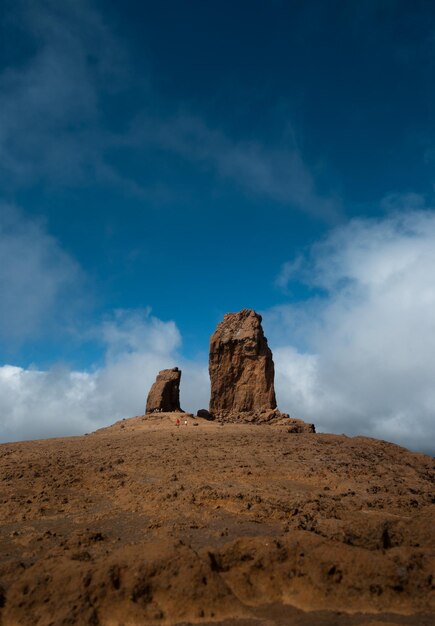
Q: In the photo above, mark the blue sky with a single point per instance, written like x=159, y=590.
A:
x=164, y=163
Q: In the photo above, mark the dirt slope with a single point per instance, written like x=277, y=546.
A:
x=149, y=523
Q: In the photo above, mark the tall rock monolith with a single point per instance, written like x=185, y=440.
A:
x=241, y=367
x=164, y=394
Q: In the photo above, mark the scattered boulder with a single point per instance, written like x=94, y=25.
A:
x=205, y=414
x=164, y=394
x=241, y=367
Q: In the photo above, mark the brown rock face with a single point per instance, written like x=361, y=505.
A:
x=241, y=367
x=164, y=394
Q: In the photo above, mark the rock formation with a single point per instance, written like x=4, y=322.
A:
x=242, y=375
x=241, y=367
x=164, y=394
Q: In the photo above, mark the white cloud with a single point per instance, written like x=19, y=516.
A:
x=39, y=284
x=279, y=173
x=36, y=403
x=50, y=104
x=365, y=356
x=60, y=402
x=35, y=277
x=128, y=332
x=53, y=126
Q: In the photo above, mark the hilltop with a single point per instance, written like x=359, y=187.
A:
x=147, y=522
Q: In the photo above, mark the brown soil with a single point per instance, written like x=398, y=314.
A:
x=149, y=523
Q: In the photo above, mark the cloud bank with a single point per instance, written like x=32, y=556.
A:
x=358, y=356
x=60, y=401
x=41, y=290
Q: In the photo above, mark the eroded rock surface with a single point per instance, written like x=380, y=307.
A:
x=164, y=394
x=241, y=367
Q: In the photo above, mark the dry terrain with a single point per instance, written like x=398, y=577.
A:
x=149, y=523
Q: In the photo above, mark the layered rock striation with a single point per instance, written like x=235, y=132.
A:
x=164, y=394
x=241, y=367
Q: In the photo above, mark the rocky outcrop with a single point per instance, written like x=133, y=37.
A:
x=241, y=367
x=164, y=394
x=276, y=418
